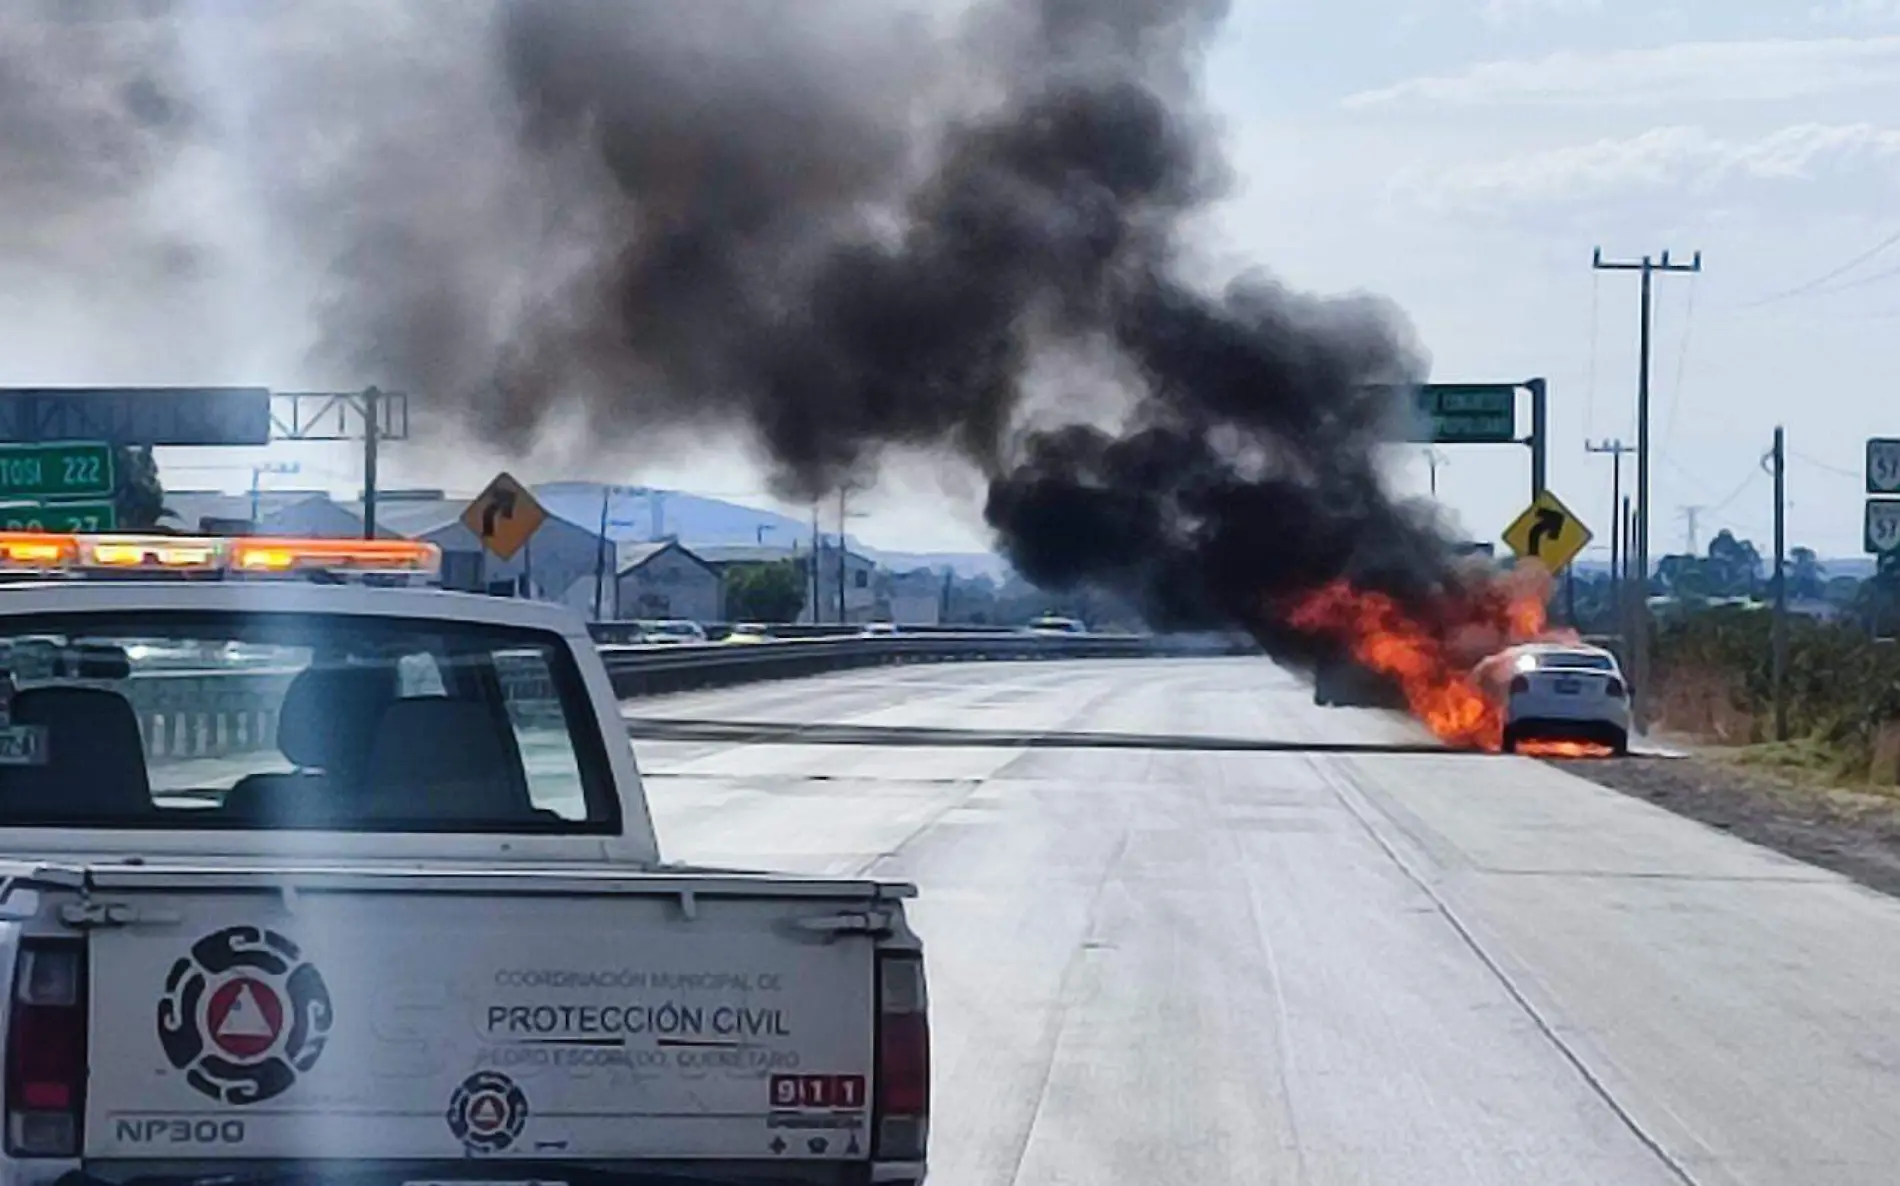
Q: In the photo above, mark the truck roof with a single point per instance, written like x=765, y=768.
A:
x=284, y=596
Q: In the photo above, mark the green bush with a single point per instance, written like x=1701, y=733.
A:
x=1842, y=687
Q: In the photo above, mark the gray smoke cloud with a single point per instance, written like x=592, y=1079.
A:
x=834, y=227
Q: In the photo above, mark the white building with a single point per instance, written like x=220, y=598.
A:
x=912, y=598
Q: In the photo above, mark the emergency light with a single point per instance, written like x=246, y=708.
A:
x=54, y=553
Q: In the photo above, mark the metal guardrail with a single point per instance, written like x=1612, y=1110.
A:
x=628, y=631
x=196, y=713
x=654, y=669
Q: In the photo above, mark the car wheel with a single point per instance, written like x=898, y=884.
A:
x=1620, y=745
x=1509, y=745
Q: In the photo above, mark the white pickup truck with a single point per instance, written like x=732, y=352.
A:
x=308, y=882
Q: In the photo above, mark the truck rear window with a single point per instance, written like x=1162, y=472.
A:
x=275, y=720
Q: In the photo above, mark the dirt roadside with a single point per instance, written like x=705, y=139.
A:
x=1854, y=833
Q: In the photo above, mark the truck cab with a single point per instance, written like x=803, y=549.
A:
x=313, y=880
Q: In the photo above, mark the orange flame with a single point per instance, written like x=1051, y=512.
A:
x=1441, y=659
x=1537, y=748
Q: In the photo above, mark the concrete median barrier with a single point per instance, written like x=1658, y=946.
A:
x=654, y=670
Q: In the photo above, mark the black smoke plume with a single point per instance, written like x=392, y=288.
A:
x=838, y=228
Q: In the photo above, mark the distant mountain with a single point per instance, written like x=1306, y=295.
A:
x=651, y=513
x=964, y=564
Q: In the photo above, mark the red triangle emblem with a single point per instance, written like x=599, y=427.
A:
x=486, y=1113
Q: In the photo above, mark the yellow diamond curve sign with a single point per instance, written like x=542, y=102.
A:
x=503, y=516
x=1547, y=532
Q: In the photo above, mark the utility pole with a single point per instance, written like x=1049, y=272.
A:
x=1616, y=449
x=1638, y=593
x=1648, y=267
x=1778, y=456
x=1434, y=459
x=817, y=558
x=603, y=546
x=842, y=617
x=372, y=429
x=1689, y=514
x=262, y=468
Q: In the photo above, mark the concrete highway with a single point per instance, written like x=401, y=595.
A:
x=1177, y=955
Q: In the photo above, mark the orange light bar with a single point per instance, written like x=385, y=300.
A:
x=262, y=554
x=37, y=550
x=168, y=553
x=41, y=552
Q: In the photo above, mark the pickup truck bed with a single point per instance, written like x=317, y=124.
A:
x=375, y=957
x=443, y=1013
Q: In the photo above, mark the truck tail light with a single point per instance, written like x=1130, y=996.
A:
x=1613, y=688
x=46, y=1050
x=900, y=1116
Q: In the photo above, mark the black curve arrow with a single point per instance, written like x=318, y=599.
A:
x=501, y=505
x=1549, y=525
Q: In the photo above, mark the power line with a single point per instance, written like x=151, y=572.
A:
x=1862, y=282
x=1809, y=286
x=1855, y=474
x=1647, y=267
x=1753, y=474
x=1698, y=479
x=1682, y=363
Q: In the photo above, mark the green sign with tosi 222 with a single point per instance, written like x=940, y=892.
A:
x=63, y=469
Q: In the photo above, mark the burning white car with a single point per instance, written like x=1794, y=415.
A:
x=1562, y=696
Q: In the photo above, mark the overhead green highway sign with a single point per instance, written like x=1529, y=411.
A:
x=1468, y=413
x=61, y=469
x=79, y=517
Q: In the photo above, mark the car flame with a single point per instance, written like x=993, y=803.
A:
x=1445, y=659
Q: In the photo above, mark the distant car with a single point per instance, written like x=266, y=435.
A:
x=1053, y=624
x=749, y=632
x=1564, y=692
x=671, y=631
x=878, y=629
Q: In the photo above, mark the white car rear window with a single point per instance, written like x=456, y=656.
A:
x=1576, y=661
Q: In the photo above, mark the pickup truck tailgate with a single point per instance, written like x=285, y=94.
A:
x=422, y=1023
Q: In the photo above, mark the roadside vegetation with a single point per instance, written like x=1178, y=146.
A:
x=1714, y=683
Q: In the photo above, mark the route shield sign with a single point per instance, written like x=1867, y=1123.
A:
x=1883, y=465
x=503, y=516
x=1547, y=532
x=1881, y=534
x=61, y=469
x=77, y=517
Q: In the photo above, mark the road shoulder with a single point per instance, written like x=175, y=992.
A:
x=1853, y=833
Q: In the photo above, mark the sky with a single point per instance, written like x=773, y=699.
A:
x=1466, y=157
x=1463, y=157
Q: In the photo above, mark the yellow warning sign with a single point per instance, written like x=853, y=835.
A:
x=504, y=516
x=1547, y=532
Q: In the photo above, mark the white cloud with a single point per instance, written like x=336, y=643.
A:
x=1706, y=71
x=1860, y=12
x=1673, y=160
x=1500, y=12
